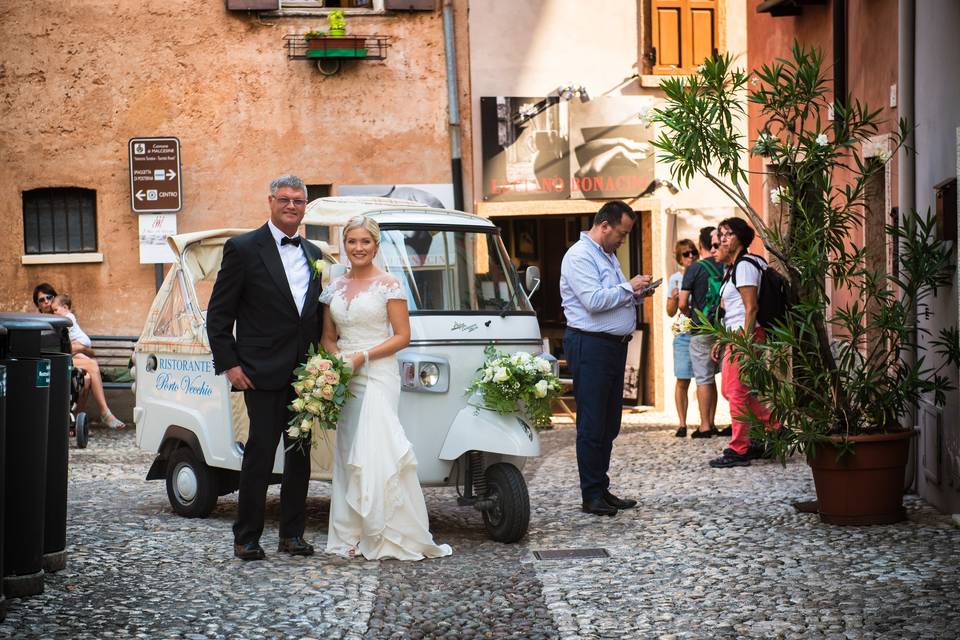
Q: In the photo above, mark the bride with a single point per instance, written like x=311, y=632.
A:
x=376, y=505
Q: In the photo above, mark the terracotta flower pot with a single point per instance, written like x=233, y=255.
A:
x=866, y=487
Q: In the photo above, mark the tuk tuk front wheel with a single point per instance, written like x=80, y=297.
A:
x=191, y=485
x=508, y=517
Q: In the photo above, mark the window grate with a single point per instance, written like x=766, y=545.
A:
x=59, y=220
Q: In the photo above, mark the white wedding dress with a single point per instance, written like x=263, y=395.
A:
x=376, y=505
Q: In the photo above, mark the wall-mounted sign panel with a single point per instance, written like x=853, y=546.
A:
x=154, y=231
x=155, y=185
x=542, y=149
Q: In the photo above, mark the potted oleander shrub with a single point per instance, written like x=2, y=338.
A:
x=836, y=370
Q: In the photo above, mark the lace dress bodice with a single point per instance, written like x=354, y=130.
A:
x=359, y=309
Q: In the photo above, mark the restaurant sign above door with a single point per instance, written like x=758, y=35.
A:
x=547, y=149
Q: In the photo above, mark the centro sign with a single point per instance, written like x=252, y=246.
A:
x=155, y=175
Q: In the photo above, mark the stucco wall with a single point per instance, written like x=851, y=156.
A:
x=937, y=111
x=79, y=79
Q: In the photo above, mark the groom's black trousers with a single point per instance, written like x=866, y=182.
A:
x=269, y=416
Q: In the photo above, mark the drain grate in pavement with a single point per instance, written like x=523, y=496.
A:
x=570, y=554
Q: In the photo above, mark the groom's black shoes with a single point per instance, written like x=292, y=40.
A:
x=618, y=503
x=599, y=507
x=295, y=546
x=249, y=551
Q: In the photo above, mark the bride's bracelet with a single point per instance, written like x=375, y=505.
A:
x=366, y=358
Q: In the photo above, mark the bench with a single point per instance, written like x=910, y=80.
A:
x=113, y=354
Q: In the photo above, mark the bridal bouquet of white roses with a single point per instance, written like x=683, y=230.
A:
x=321, y=388
x=506, y=379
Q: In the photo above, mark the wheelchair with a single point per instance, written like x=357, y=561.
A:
x=78, y=419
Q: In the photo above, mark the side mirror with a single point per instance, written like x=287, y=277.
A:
x=337, y=270
x=532, y=280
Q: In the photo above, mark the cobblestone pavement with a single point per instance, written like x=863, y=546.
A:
x=709, y=553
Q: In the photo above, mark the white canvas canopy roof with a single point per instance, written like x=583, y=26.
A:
x=338, y=210
x=209, y=237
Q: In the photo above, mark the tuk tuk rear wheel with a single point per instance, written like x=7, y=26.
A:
x=191, y=485
x=508, y=518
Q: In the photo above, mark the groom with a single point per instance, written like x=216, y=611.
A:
x=267, y=288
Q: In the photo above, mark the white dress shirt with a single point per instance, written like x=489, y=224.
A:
x=595, y=294
x=294, y=264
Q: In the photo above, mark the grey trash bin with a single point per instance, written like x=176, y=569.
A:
x=25, y=468
x=55, y=345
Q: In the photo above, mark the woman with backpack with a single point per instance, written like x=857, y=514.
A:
x=740, y=301
x=685, y=253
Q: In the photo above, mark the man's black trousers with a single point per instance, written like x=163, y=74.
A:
x=597, y=366
x=269, y=416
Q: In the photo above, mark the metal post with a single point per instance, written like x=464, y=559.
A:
x=453, y=108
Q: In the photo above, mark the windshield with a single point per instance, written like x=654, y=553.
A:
x=453, y=270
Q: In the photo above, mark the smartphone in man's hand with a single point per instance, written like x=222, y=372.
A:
x=647, y=290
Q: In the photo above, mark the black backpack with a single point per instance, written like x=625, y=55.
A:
x=773, y=296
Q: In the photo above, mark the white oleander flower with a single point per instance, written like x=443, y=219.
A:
x=822, y=139
x=646, y=115
x=776, y=195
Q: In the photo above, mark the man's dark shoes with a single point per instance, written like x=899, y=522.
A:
x=618, y=503
x=731, y=458
x=703, y=434
x=295, y=546
x=726, y=432
x=681, y=432
x=599, y=507
x=249, y=551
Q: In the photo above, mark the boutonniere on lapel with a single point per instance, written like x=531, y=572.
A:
x=318, y=267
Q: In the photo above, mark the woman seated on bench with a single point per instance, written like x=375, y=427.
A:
x=81, y=345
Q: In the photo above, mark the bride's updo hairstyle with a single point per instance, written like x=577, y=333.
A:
x=363, y=222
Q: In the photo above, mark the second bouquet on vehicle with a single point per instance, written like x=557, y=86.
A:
x=517, y=382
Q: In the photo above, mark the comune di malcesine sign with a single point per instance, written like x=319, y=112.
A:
x=155, y=175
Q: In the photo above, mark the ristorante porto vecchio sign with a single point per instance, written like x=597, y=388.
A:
x=155, y=175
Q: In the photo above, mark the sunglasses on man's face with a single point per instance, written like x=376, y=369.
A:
x=715, y=245
x=44, y=298
x=690, y=254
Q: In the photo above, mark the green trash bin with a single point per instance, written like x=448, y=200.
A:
x=25, y=468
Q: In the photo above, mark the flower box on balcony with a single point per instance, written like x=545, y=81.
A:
x=336, y=47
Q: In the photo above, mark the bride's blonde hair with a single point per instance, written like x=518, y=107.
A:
x=363, y=222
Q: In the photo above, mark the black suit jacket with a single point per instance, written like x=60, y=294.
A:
x=252, y=292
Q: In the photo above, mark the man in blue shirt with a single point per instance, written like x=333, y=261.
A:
x=600, y=307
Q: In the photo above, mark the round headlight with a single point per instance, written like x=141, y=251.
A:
x=429, y=374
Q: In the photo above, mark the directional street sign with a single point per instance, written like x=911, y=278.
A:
x=155, y=175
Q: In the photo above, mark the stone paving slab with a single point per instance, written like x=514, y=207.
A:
x=709, y=553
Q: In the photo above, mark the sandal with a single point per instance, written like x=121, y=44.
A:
x=110, y=420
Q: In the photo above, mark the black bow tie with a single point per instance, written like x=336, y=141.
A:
x=293, y=241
